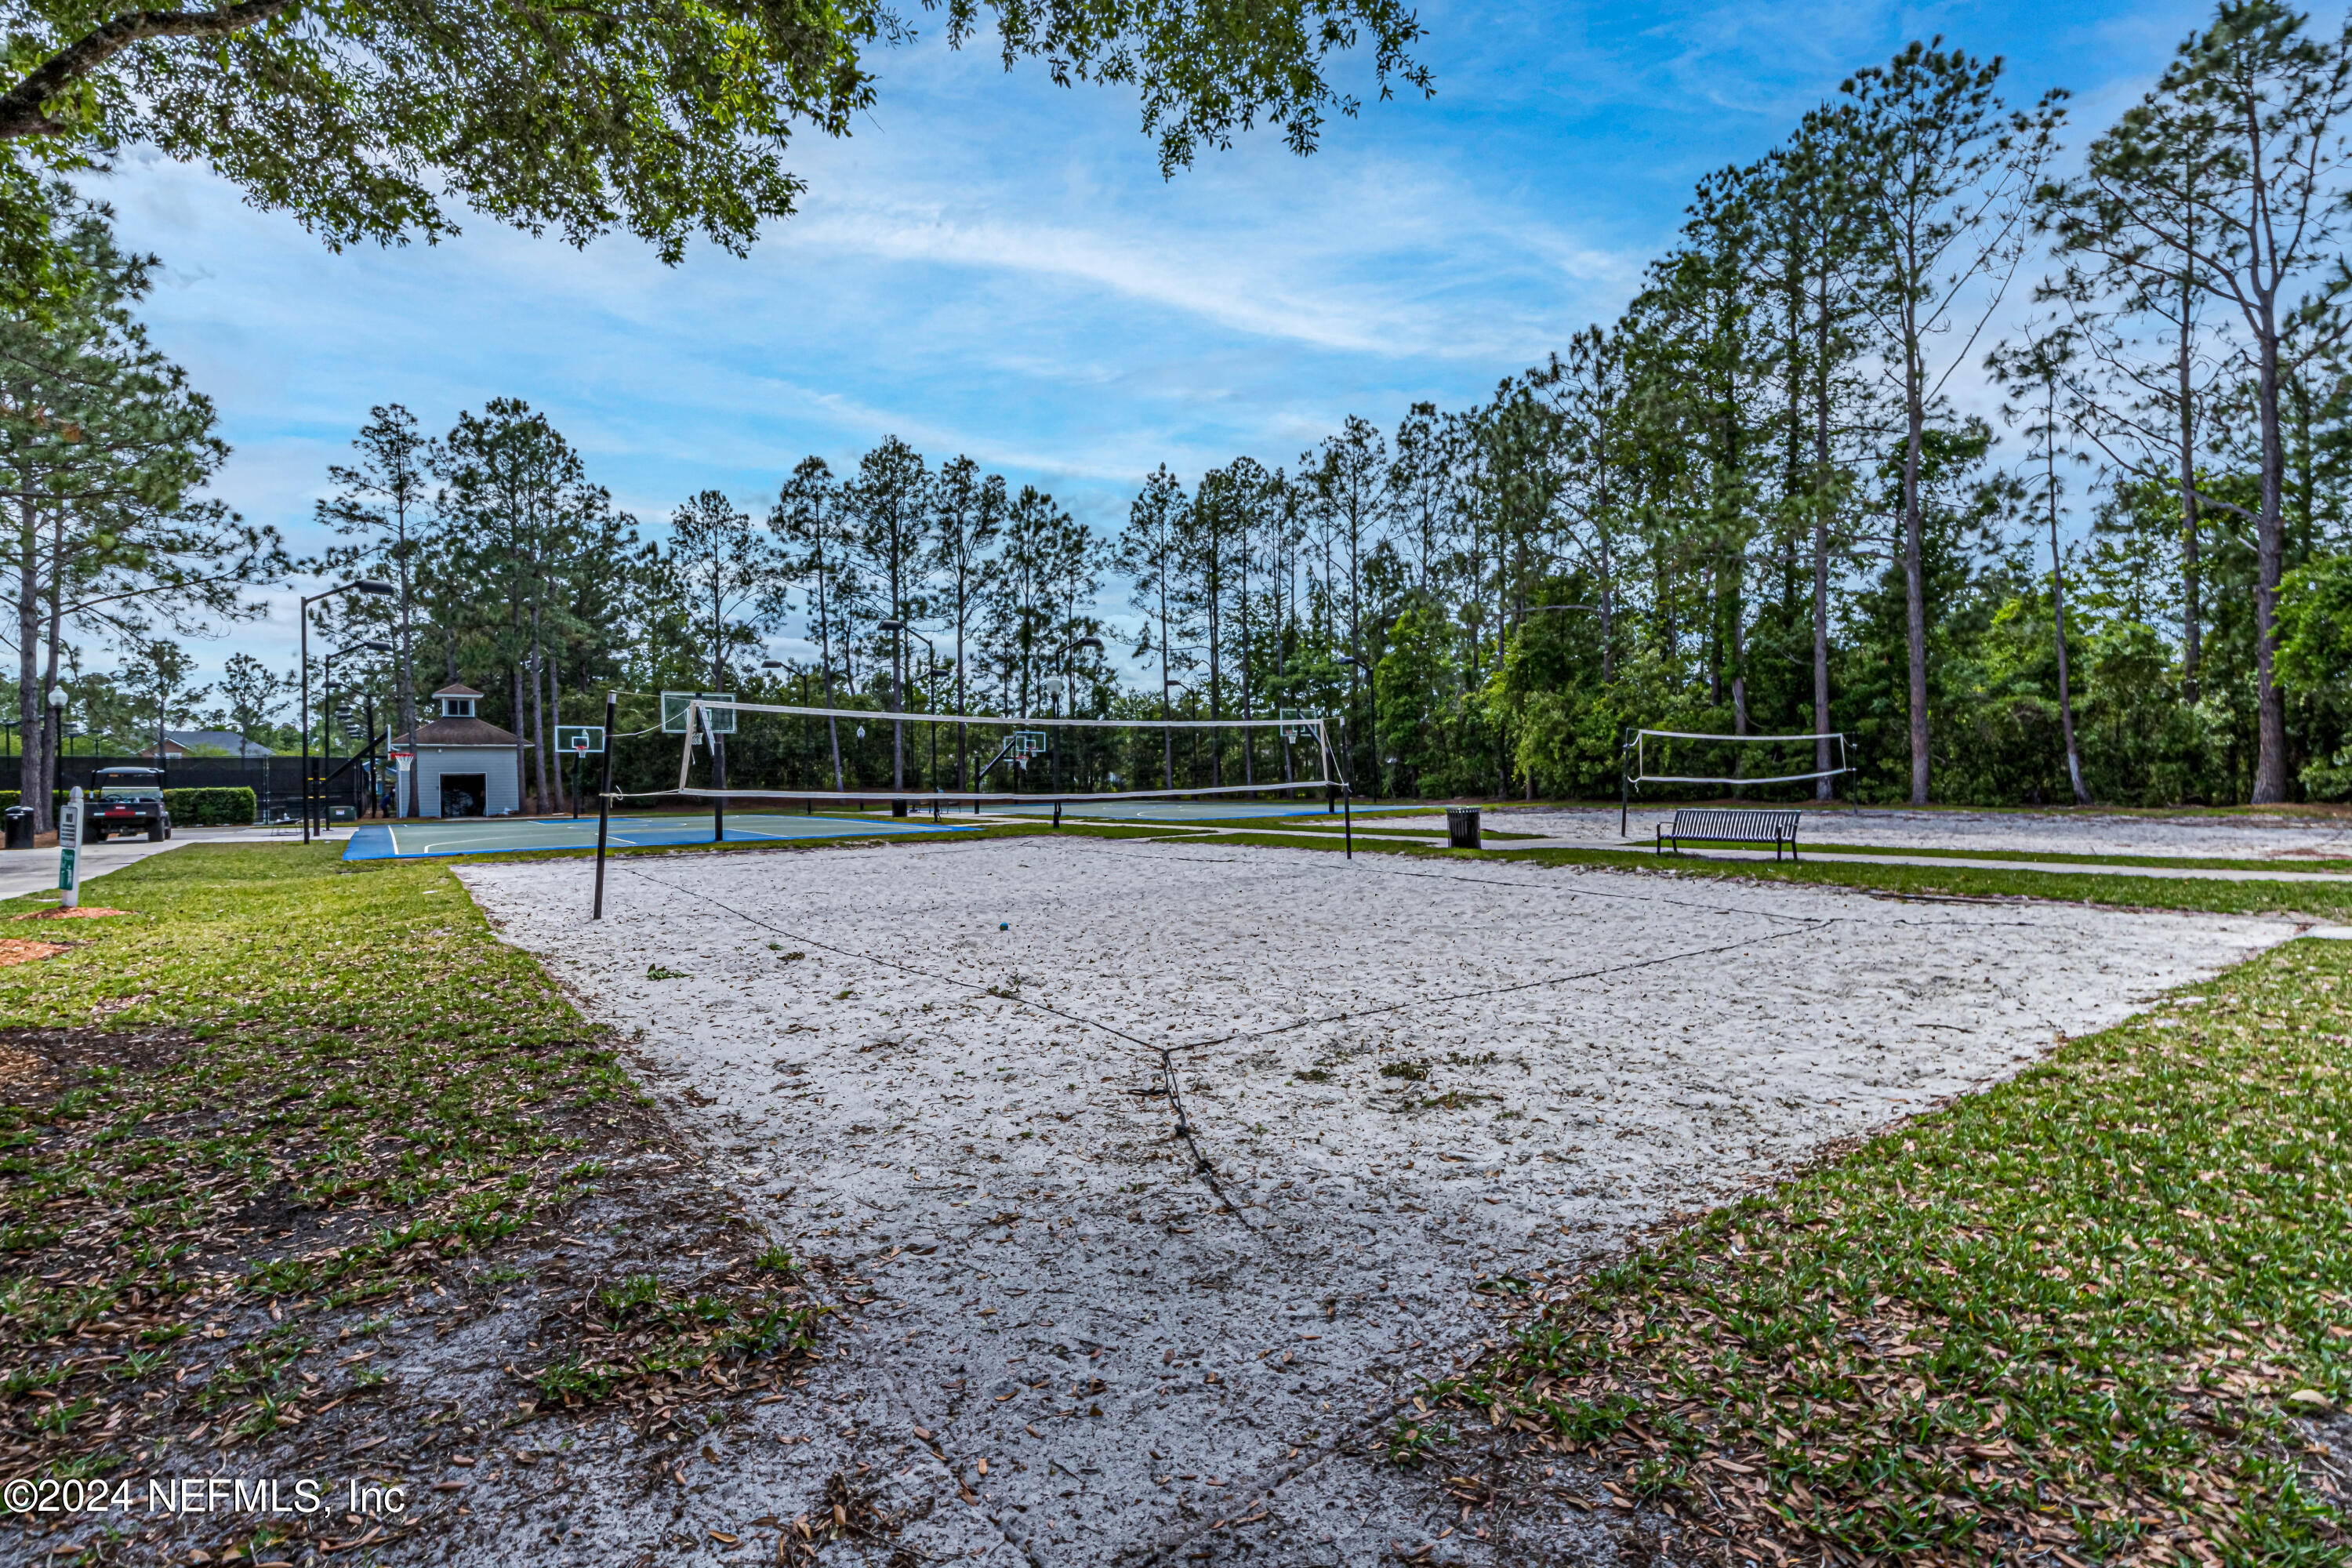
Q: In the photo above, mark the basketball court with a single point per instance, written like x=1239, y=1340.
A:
x=508, y=836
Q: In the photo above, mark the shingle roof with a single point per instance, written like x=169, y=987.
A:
x=457, y=733
x=457, y=689
x=229, y=741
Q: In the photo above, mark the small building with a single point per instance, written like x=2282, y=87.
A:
x=458, y=764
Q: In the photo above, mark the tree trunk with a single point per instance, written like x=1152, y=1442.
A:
x=53, y=731
x=2270, y=758
x=522, y=716
x=539, y=717
x=2192, y=618
x=2065, y=694
x=407, y=676
x=1914, y=588
x=1167, y=734
x=30, y=708
x=824, y=651
x=1823, y=788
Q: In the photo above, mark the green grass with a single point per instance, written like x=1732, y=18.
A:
x=2071, y=1313
x=344, y=1051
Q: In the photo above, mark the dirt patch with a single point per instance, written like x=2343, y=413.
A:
x=37, y=1063
x=15, y=950
x=477, y=1382
x=79, y=912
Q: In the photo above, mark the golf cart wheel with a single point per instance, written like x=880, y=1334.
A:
x=155, y=835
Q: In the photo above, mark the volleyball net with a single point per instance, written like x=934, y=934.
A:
x=1765, y=765
x=731, y=751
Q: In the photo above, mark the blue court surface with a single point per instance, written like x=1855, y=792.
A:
x=1165, y=810
x=507, y=835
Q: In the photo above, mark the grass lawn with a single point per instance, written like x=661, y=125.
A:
x=2070, y=1319
x=280, y=1102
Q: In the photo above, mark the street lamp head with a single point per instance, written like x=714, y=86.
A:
x=890, y=626
x=1094, y=643
x=374, y=646
x=372, y=585
x=56, y=697
x=771, y=664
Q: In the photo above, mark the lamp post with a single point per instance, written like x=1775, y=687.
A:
x=1069, y=700
x=58, y=730
x=1348, y=784
x=1193, y=696
x=327, y=707
x=302, y=616
x=904, y=631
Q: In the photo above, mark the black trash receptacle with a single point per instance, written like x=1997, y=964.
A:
x=20, y=828
x=1461, y=826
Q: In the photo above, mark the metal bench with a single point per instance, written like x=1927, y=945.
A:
x=1718, y=825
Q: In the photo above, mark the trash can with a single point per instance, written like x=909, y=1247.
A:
x=1461, y=826
x=20, y=828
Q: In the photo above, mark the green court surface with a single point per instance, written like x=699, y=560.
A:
x=506, y=835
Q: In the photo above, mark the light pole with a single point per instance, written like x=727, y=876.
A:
x=1194, y=698
x=302, y=616
x=1348, y=784
x=57, y=730
x=1069, y=700
x=904, y=631
x=327, y=707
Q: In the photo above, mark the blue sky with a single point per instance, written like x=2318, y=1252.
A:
x=994, y=266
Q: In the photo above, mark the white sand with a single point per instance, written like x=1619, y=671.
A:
x=1624, y=1046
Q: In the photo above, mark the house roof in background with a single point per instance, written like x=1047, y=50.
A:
x=460, y=690
x=229, y=741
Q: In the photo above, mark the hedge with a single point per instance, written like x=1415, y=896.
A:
x=189, y=807
x=232, y=808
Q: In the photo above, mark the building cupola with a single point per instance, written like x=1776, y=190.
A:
x=456, y=701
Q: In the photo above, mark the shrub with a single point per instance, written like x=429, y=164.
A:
x=232, y=808
x=189, y=807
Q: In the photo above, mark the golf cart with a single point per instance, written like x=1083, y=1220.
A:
x=130, y=800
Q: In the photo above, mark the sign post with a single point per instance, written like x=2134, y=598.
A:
x=69, y=851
